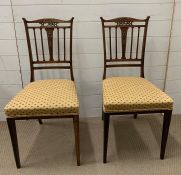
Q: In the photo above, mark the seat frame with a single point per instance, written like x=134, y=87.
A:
x=124, y=23
x=49, y=24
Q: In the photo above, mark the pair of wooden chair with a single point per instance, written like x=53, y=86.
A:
x=57, y=98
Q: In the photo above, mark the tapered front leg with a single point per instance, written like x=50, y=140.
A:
x=102, y=114
x=165, y=130
x=77, y=138
x=106, y=134
x=12, y=130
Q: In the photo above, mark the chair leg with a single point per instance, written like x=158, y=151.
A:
x=77, y=138
x=165, y=130
x=106, y=134
x=102, y=115
x=40, y=121
x=12, y=130
x=135, y=116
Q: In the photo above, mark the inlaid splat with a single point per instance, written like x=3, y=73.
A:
x=49, y=31
x=124, y=31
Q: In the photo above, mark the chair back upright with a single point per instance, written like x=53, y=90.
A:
x=49, y=43
x=124, y=41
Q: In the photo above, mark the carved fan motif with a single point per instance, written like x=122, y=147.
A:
x=49, y=24
x=124, y=22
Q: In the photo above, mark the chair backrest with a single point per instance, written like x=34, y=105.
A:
x=49, y=44
x=118, y=35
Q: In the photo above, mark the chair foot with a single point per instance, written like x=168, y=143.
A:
x=165, y=130
x=106, y=134
x=135, y=116
x=104, y=161
x=77, y=138
x=40, y=121
x=13, y=135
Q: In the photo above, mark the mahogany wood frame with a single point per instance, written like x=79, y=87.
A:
x=49, y=24
x=125, y=23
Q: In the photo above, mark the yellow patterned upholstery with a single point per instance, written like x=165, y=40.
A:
x=45, y=97
x=133, y=94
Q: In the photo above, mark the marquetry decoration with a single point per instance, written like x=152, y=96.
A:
x=124, y=22
x=50, y=41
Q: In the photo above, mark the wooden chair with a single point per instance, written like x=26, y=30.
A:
x=46, y=99
x=130, y=95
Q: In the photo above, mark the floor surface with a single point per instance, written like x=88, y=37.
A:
x=134, y=146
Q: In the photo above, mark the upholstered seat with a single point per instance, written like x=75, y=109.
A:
x=45, y=98
x=133, y=94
